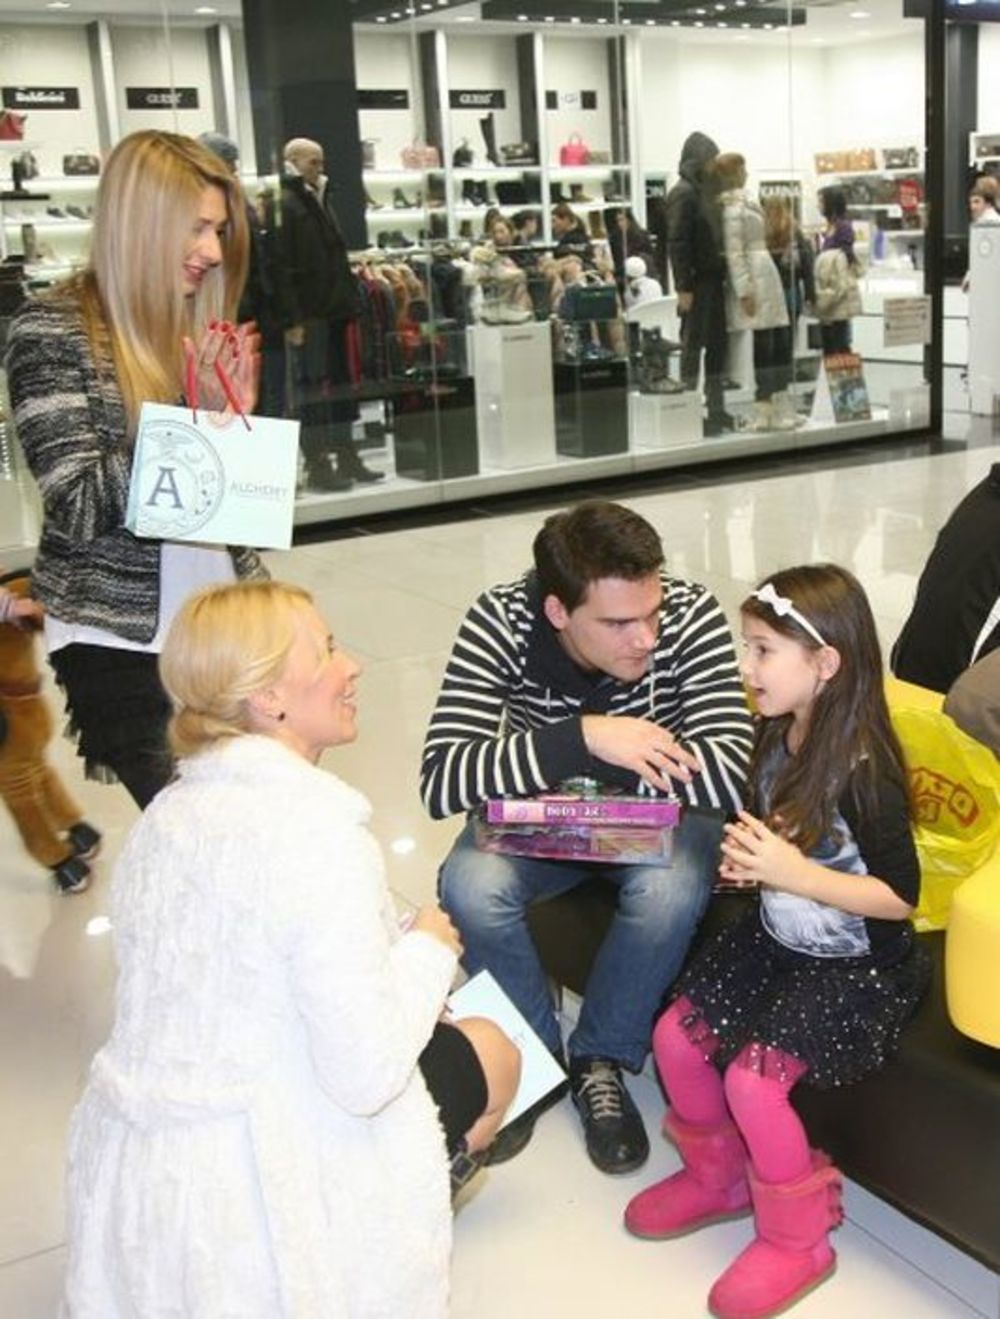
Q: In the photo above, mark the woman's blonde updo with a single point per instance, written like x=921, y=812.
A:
x=226, y=643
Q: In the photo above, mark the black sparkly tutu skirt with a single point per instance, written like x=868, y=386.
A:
x=840, y=1016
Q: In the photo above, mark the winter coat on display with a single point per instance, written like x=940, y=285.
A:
x=751, y=269
x=838, y=295
x=314, y=255
x=256, y=1138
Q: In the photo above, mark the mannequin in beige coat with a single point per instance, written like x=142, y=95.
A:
x=755, y=299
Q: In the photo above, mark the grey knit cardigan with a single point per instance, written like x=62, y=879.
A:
x=70, y=420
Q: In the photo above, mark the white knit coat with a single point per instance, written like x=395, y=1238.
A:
x=255, y=1140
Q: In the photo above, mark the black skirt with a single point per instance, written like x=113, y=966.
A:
x=841, y=1016
x=455, y=1077
x=118, y=710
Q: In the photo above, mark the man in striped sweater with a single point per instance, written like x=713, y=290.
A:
x=594, y=663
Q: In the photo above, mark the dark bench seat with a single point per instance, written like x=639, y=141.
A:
x=923, y=1134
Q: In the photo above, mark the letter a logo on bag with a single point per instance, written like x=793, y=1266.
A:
x=181, y=480
x=166, y=483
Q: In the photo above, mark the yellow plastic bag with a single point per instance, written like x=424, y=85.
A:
x=956, y=789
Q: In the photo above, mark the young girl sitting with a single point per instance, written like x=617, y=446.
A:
x=815, y=983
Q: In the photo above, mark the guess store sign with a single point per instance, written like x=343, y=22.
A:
x=161, y=98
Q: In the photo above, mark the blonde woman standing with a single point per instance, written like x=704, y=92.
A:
x=266, y=1132
x=168, y=263
x=755, y=298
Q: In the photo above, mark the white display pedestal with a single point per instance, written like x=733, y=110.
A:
x=984, y=317
x=515, y=410
x=662, y=421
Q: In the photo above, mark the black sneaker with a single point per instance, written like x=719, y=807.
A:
x=321, y=477
x=72, y=875
x=85, y=839
x=616, y=1138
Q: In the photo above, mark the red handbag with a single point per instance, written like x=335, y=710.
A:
x=11, y=125
x=575, y=151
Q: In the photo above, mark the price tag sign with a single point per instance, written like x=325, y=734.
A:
x=906, y=321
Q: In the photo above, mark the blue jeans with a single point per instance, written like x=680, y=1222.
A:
x=487, y=896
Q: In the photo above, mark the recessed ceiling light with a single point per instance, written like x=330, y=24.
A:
x=675, y=22
x=549, y=18
x=602, y=20
x=720, y=8
x=574, y=20
x=97, y=924
x=699, y=23
x=426, y=7
x=722, y=25
x=651, y=22
x=522, y=18
x=58, y=4
x=859, y=13
x=626, y=22
x=381, y=19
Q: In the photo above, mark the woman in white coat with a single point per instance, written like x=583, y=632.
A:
x=755, y=297
x=266, y=1132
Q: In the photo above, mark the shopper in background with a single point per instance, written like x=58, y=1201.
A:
x=569, y=234
x=984, y=196
x=793, y=256
x=838, y=295
x=698, y=262
x=974, y=701
x=595, y=663
x=815, y=983
x=264, y=299
x=81, y=361
x=266, y=1132
x=640, y=287
x=323, y=302
x=626, y=237
x=755, y=298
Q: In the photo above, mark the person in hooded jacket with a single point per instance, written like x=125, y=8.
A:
x=698, y=264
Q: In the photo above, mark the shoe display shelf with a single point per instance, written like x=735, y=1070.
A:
x=595, y=186
x=398, y=197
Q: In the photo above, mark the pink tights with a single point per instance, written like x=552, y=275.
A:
x=758, y=1101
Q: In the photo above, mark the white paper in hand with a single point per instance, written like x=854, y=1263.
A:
x=482, y=997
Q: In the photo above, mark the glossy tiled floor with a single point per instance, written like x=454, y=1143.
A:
x=540, y=1237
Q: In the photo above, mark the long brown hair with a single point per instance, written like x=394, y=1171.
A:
x=779, y=225
x=849, y=731
x=130, y=294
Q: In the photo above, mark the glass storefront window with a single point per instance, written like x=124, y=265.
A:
x=507, y=190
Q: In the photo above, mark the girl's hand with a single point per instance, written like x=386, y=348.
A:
x=753, y=852
x=435, y=922
x=223, y=368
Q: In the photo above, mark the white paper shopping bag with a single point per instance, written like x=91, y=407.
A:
x=214, y=478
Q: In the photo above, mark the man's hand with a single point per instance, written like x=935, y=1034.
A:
x=685, y=301
x=645, y=748
x=437, y=923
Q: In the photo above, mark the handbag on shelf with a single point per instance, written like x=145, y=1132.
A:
x=28, y=165
x=419, y=155
x=461, y=157
x=574, y=152
x=511, y=193
x=901, y=157
x=600, y=158
x=861, y=158
x=519, y=153
x=12, y=125
x=81, y=163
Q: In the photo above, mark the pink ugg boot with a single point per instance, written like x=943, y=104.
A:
x=791, y=1252
x=711, y=1186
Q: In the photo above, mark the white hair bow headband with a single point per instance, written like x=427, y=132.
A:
x=783, y=607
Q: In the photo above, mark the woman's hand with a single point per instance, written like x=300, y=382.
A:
x=437, y=923
x=223, y=368
x=753, y=853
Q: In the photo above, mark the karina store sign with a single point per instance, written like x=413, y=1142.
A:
x=41, y=98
